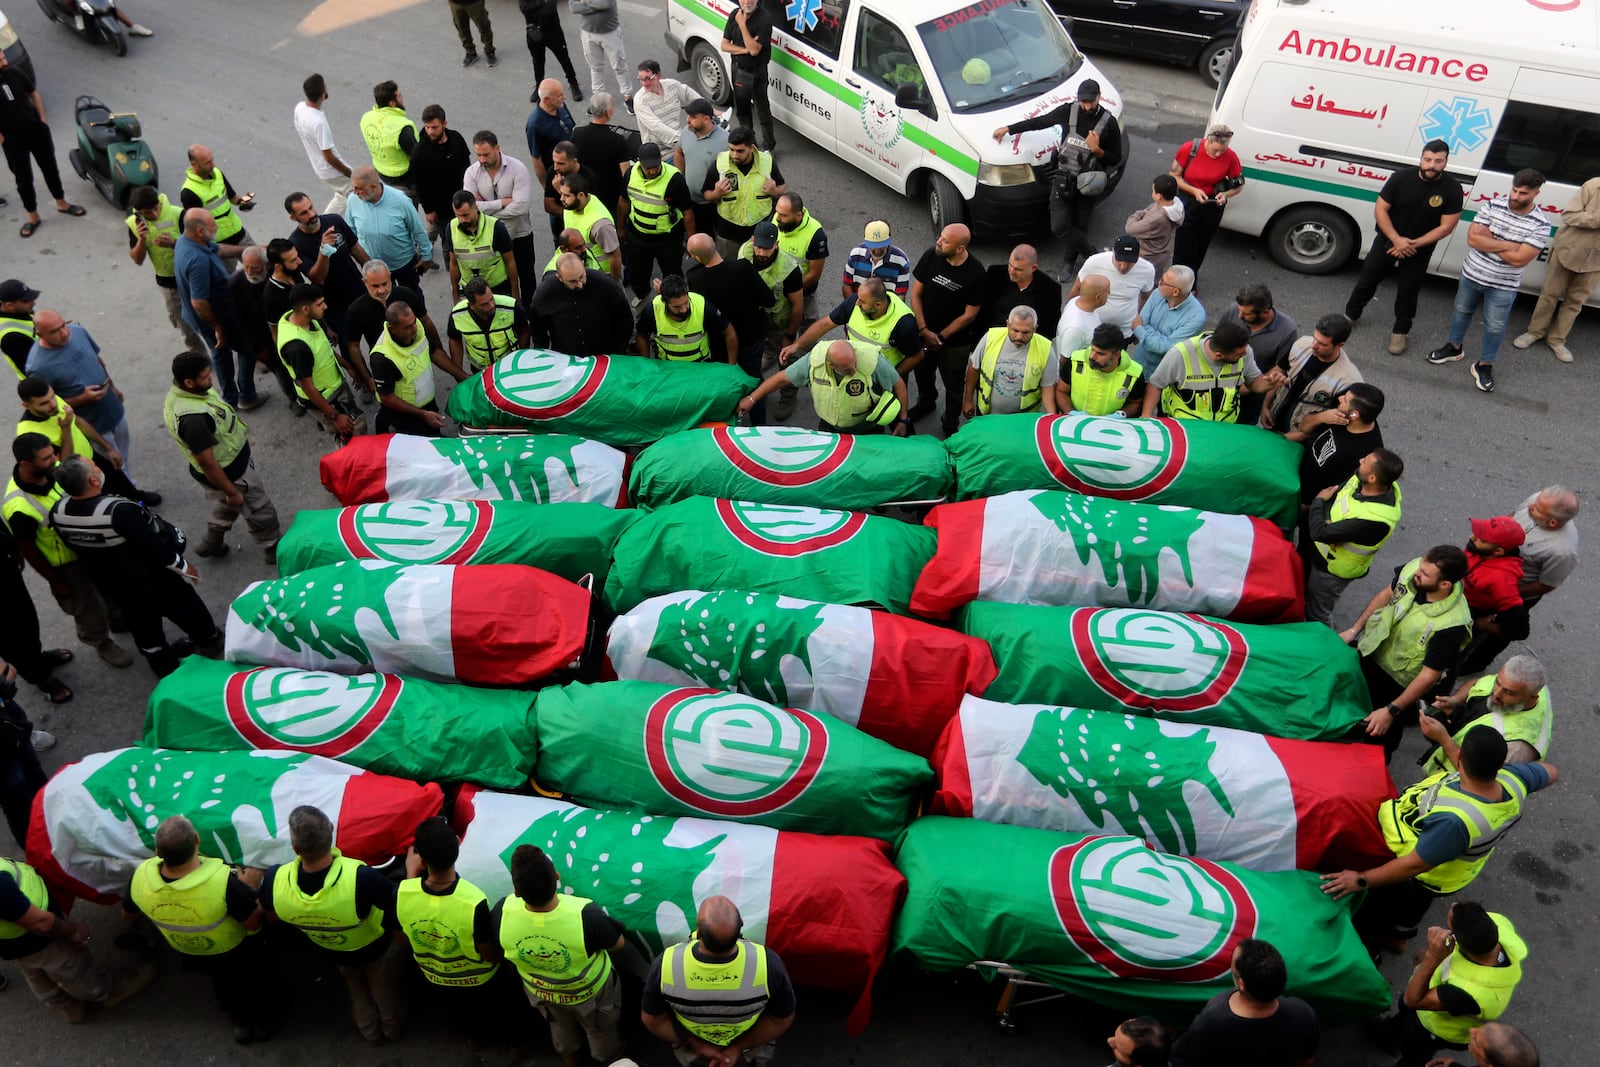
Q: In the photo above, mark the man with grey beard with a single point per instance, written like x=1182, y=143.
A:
x=1516, y=702
x=247, y=286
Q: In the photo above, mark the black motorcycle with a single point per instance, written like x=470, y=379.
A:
x=96, y=20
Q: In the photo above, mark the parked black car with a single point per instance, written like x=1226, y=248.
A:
x=1197, y=33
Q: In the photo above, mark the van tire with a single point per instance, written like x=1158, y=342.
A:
x=710, y=77
x=946, y=205
x=1312, y=239
x=1215, y=58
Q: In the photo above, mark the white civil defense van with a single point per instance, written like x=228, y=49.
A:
x=911, y=92
x=1327, y=98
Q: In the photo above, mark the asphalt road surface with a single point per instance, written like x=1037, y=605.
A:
x=228, y=75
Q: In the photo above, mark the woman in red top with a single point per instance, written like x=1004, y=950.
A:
x=1198, y=168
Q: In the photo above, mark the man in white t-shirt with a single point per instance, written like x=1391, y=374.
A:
x=1081, y=315
x=1132, y=281
x=317, y=136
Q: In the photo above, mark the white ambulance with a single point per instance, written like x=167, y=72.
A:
x=911, y=92
x=1327, y=98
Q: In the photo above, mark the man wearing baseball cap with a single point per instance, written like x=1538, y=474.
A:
x=1132, y=281
x=877, y=256
x=16, y=322
x=1494, y=575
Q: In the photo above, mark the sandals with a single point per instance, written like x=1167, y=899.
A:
x=75, y=210
x=55, y=690
x=29, y=227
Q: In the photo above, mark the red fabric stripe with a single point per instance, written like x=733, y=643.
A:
x=1337, y=790
x=64, y=888
x=379, y=814
x=951, y=775
x=951, y=577
x=1275, y=585
x=831, y=912
x=919, y=674
x=358, y=473
x=511, y=625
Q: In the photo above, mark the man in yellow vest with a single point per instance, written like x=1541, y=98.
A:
x=480, y=247
x=205, y=186
x=853, y=389
x=742, y=182
x=1102, y=379
x=1442, y=831
x=684, y=327
x=781, y=274
x=1515, y=702
x=560, y=945
x=1410, y=636
x=390, y=135
x=44, y=412
x=570, y=240
x=216, y=443
x=308, y=352
x=1347, y=524
x=207, y=911
x=1010, y=369
x=802, y=237
x=484, y=327
x=873, y=316
x=1464, y=979
x=30, y=494
x=1202, y=377
x=402, y=365
x=581, y=210
x=17, y=335
x=719, y=999
x=660, y=219
x=345, y=909
x=153, y=230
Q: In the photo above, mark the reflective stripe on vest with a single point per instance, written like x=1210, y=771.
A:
x=89, y=532
x=773, y=276
x=684, y=341
x=748, y=204
x=1348, y=559
x=845, y=401
x=1205, y=393
x=1037, y=358
x=584, y=222
x=192, y=912
x=1097, y=392
x=170, y=222
x=485, y=344
x=329, y=916
x=47, y=541
x=230, y=430
x=213, y=196
x=415, y=365
x=1486, y=824
x=648, y=210
x=32, y=887
x=715, y=1002
x=380, y=128
x=876, y=331
x=547, y=949
x=326, y=376
x=439, y=927
x=1397, y=636
x=1490, y=986
x=10, y=324
x=475, y=254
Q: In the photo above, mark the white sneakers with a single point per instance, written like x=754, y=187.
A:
x=141, y=31
x=1526, y=340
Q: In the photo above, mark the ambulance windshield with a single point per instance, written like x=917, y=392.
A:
x=996, y=52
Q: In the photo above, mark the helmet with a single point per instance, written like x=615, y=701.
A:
x=886, y=411
x=1092, y=183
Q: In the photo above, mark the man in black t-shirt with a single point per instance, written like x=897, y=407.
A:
x=947, y=295
x=330, y=254
x=1254, y=1024
x=1335, y=440
x=747, y=36
x=26, y=135
x=1416, y=210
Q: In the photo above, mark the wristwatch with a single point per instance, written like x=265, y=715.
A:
x=1393, y=711
x=1361, y=880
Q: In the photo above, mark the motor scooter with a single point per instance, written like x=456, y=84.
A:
x=96, y=20
x=110, y=152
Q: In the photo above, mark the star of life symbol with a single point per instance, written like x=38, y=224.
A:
x=803, y=14
x=1461, y=123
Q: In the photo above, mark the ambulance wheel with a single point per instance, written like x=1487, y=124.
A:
x=1312, y=239
x=710, y=76
x=946, y=205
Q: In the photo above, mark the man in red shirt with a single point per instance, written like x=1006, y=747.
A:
x=1494, y=571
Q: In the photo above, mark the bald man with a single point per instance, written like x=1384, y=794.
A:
x=1495, y=1045
x=847, y=380
x=1081, y=315
x=1020, y=283
x=947, y=296
x=402, y=363
x=734, y=287
x=702, y=998
x=202, y=282
x=69, y=359
x=205, y=186
x=580, y=311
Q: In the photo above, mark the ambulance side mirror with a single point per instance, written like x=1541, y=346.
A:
x=909, y=97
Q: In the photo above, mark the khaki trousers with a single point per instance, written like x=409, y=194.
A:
x=378, y=994
x=595, y=1019
x=260, y=515
x=1570, y=289
x=63, y=972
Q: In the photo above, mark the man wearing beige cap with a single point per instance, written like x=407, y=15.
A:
x=877, y=256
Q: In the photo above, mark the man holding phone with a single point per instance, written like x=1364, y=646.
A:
x=204, y=185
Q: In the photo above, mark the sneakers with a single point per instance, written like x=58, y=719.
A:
x=113, y=653
x=141, y=31
x=1483, y=377
x=1563, y=353
x=1446, y=353
x=1397, y=344
x=253, y=403
x=43, y=740
x=212, y=544
x=1524, y=340
x=129, y=984
x=469, y=59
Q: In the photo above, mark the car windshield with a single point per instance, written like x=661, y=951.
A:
x=998, y=51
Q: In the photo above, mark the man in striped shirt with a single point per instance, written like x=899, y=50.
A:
x=1504, y=238
x=877, y=256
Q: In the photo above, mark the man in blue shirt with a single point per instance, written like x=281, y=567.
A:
x=389, y=227
x=549, y=124
x=1172, y=314
x=68, y=358
x=205, y=305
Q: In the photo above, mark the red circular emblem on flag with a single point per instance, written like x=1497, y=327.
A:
x=318, y=712
x=778, y=455
x=1164, y=660
x=788, y=530
x=1124, y=459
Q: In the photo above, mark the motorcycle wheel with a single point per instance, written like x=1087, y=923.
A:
x=51, y=9
x=114, y=34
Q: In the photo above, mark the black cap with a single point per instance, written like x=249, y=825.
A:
x=1125, y=249
x=1088, y=89
x=699, y=107
x=765, y=235
x=11, y=289
x=649, y=153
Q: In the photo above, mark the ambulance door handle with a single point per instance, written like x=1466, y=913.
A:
x=852, y=83
x=824, y=68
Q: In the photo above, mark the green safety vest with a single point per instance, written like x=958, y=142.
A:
x=1531, y=726
x=325, y=373
x=845, y=401
x=213, y=196
x=798, y=240
x=415, y=365
x=1205, y=393
x=191, y=913
x=546, y=948
x=584, y=222
x=485, y=344
x=773, y=276
x=1347, y=559
x=51, y=429
x=380, y=128
x=475, y=254
x=648, y=211
x=1033, y=372
x=876, y=331
x=11, y=324
x=1486, y=824
x=1491, y=987
x=1397, y=636
x=328, y=916
x=748, y=204
x=1097, y=392
x=32, y=887
x=715, y=1002
x=170, y=221
x=230, y=428
x=686, y=341
x=439, y=928
x=45, y=538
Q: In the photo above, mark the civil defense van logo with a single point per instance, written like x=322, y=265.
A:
x=788, y=530
x=538, y=384
x=779, y=455
x=1125, y=459
x=416, y=531
x=318, y=712
x=731, y=755
x=1143, y=914
x=1158, y=659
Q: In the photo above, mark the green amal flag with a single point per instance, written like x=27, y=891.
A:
x=668, y=750
x=837, y=557
x=570, y=540
x=624, y=401
x=1110, y=920
x=1296, y=680
x=407, y=727
x=1158, y=461
x=791, y=465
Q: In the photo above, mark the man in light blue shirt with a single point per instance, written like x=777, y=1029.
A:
x=1172, y=314
x=68, y=358
x=390, y=228
x=202, y=283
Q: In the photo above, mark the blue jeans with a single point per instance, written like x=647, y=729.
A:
x=1496, y=310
